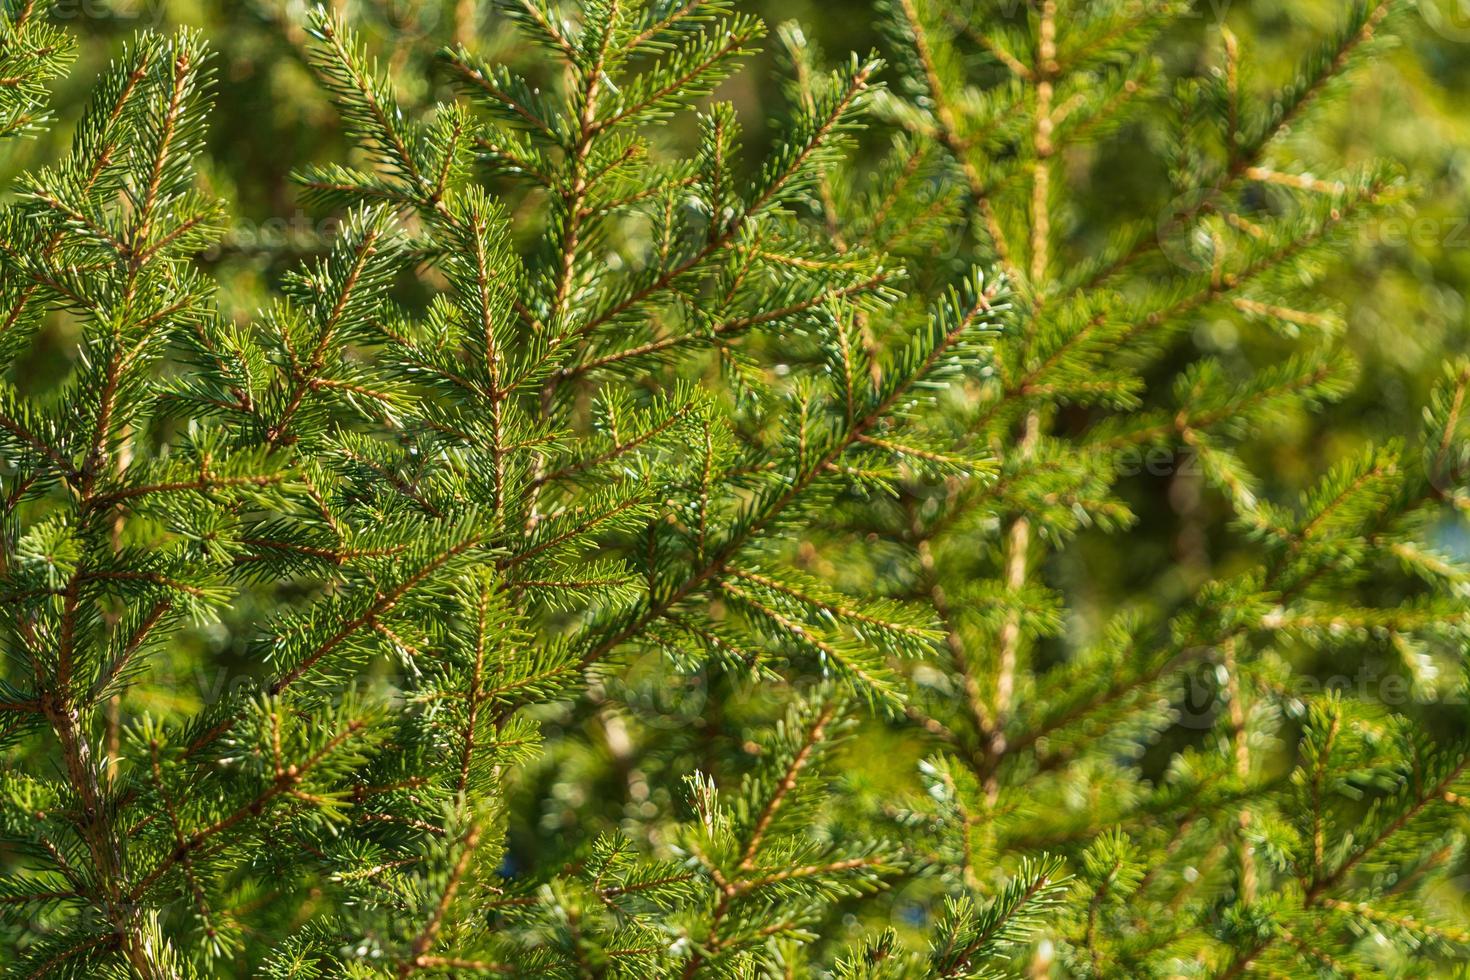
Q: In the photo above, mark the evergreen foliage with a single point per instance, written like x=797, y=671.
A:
x=566, y=419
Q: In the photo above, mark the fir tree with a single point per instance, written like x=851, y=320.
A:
x=560, y=398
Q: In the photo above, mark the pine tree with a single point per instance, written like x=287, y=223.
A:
x=566, y=416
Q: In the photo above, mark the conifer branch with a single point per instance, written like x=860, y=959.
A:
x=583, y=448
x=949, y=134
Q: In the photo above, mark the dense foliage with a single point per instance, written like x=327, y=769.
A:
x=631, y=549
